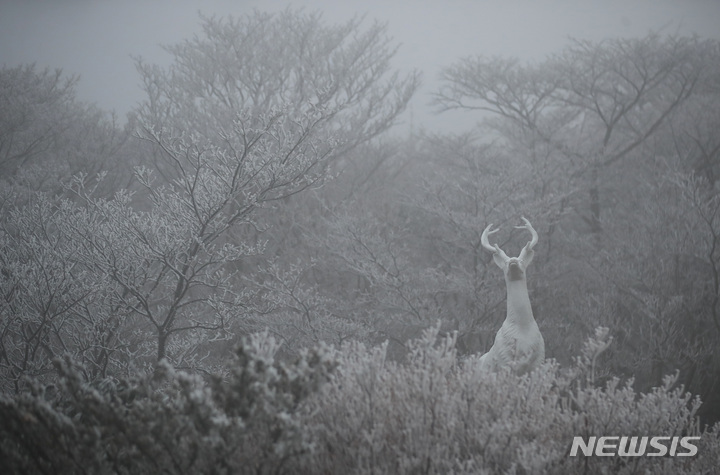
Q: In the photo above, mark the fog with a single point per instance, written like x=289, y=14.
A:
x=97, y=40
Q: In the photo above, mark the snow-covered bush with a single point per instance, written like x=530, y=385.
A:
x=172, y=422
x=435, y=415
x=348, y=410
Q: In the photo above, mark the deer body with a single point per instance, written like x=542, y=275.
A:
x=519, y=343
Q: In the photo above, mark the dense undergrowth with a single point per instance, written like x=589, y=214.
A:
x=347, y=410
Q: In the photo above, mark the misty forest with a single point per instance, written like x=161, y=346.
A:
x=258, y=271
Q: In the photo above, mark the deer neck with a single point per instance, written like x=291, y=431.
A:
x=519, y=311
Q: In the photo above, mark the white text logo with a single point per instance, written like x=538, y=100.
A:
x=634, y=446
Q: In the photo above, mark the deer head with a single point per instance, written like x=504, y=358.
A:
x=513, y=267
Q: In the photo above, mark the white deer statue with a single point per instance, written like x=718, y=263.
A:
x=518, y=344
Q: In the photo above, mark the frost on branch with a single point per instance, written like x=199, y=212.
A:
x=247, y=422
x=433, y=415
x=349, y=410
x=591, y=350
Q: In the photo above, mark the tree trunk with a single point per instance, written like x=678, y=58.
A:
x=594, y=192
x=162, y=344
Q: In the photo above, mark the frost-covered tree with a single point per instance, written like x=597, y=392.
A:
x=309, y=73
x=246, y=116
x=598, y=131
x=50, y=305
x=47, y=135
x=587, y=108
x=37, y=109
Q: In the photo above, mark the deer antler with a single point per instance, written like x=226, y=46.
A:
x=484, y=239
x=534, y=234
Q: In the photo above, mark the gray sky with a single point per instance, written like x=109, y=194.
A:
x=96, y=38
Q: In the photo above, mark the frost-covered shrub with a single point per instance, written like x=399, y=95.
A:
x=173, y=422
x=434, y=415
x=349, y=410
